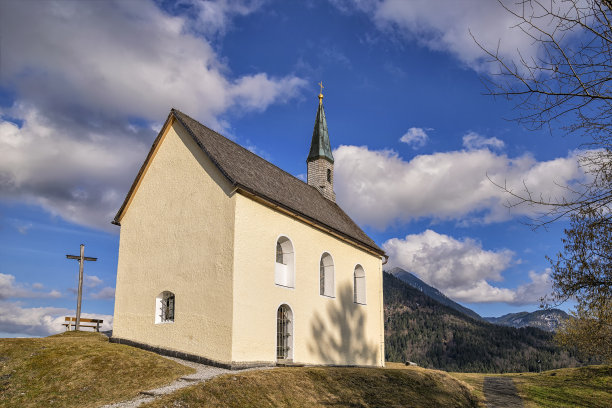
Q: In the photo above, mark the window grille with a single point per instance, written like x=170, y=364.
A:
x=322, y=277
x=283, y=322
x=279, y=254
x=167, y=310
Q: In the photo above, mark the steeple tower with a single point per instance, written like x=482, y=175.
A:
x=320, y=160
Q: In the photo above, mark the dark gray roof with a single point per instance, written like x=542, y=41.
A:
x=261, y=178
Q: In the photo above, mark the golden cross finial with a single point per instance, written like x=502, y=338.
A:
x=321, y=93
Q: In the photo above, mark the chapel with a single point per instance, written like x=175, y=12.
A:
x=226, y=259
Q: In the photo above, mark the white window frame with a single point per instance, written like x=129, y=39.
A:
x=359, y=285
x=159, y=306
x=284, y=273
x=329, y=275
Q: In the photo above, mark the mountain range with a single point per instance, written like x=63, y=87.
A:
x=543, y=319
x=421, y=329
x=431, y=291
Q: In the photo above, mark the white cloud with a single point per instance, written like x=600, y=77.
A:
x=417, y=137
x=445, y=25
x=91, y=281
x=214, y=17
x=129, y=59
x=76, y=129
x=538, y=286
x=473, y=141
x=104, y=293
x=9, y=288
x=40, y=321
x=378, y=188
x=462, y=269
x=76, y=172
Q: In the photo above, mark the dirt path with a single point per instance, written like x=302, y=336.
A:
x=500, y=392
x=203, y=373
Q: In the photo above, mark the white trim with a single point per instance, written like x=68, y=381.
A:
x=158, y=299
x=333, y=265
x=293, y=253
x=365, y=287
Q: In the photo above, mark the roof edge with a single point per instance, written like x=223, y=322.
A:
x=143, y=168
x=172, y=116
x=273, y=203
x=216, y=163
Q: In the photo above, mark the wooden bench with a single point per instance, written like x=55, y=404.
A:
x=71, y=321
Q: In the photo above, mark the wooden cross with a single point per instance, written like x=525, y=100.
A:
x=81, y=258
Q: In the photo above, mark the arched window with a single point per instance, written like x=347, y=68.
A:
x=329, y=175
x=359, y=285
x=326, y=275
x=164, y=307
x=284, y=268
x=284, y=333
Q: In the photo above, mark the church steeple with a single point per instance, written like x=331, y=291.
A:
x=320, y=160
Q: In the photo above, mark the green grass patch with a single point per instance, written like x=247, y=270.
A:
x=567, y=387
x=78, y=369
x=314, y=387
x=570, y=387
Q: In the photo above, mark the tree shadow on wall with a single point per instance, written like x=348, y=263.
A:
x=340, y=338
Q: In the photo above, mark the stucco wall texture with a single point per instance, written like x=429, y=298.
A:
x=186, y=231
x=326, y=330
x=177, y=235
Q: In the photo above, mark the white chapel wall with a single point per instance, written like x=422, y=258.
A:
x=177, y=236
x=326, y=330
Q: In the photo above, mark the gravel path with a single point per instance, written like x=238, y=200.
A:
x=500, y=392
x=203, y=373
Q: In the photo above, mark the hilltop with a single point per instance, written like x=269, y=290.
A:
x=79, y=369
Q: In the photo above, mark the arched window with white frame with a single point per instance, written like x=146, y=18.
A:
x=326, y=275
x=359, y=285
x=284, y=266
x=164, y=307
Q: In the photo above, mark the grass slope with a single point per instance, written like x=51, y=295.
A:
x=589, y=386
x=315, y=387
x=78, y=369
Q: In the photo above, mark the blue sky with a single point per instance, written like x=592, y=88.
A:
x=85, y=86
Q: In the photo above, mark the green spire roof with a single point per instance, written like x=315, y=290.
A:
x=320, y=147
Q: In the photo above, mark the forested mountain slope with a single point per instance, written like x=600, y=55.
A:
x=420, y=329
x=432, y=292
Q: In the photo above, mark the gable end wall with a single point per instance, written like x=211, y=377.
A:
x=177, y=234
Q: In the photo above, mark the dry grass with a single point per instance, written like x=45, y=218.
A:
x=314, y=387
x=475, y=382
x=568, y=387
x=78, y=369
